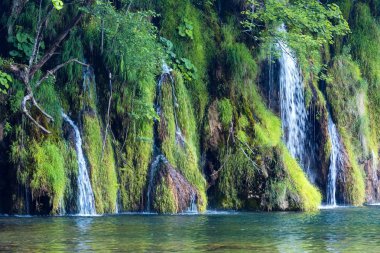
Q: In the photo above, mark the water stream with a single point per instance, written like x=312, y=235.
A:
x=336, y=162
x=293, y=110
x=86, y=201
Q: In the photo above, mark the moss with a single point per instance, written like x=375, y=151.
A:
x=198, y=50
x=164, y=200
x=48, y=176
x=236, y=178
x=355, y=177
x=102, y=166
x=136, y=155
x=225, y=110
x=310, y=197
x=182, y=154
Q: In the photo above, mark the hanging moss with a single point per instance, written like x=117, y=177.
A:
x=182, y=154
x=310, y=197
x=102, y=165
x=197, y=49
x=355, y=177
x=48, y=173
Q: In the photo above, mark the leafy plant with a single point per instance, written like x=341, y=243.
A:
x=186, y=29
x=5, y=81
x=309, y=25
x=184, y=65
x=23, y=42
x=58, y=4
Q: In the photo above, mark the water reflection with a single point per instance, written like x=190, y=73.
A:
x=335, y=230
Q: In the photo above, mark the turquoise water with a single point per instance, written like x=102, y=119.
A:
x=333, y=230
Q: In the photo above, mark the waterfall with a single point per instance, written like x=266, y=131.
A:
x=293, y=109
x=157, y=153
x=193, y=205
x=86, y=200
x=335, y=162
x=166, y=72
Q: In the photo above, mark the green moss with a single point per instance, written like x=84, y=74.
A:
x=225, y=110
x=310, y=197
x=102, y=166
x=183, y=156
x=48, y=176
x=138, y=145
x=236, y=178
x=346, y=92
x=164, y=200
x=355, y=178
x=198, y=50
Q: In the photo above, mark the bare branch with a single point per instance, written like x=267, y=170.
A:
x=56, y=44
x=108, y=115
x=40, y=25
x=26, y=112
x=54, y=70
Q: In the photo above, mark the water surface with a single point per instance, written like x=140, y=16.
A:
x=329, y=230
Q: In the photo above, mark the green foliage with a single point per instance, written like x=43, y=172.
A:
x=23, y=42
x=48, y=176
x=49, y=101
x=310, y=25
x=58, y=4
x=199, y=50
x=5, y=81
x=130, y=43
x=365, y=42
x=225, y=110
x=187, y=68
x=185, y=29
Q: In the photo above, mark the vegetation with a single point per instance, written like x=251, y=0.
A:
x=100, y=62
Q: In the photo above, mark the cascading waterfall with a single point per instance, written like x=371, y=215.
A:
x=293, y=109
x=335, y=162
x=86, y=200
x=157, y=154
x=193, y=206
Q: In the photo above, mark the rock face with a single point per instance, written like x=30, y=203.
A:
x=372, y=180
x=182, y=192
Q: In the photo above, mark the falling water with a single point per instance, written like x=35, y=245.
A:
x=293, y=110
x=335, y=162
x=193, y=205
x=86, y=201
x=166, y=72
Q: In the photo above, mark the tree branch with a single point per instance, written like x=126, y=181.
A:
x=55, y=45
x=54, y=70
x=108, y=115
x=26, y=112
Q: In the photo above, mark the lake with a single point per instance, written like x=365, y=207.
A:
x=329, y=230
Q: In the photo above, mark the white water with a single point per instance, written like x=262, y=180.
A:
x=335, y=162
x=193, y=209
x=166, y=72
x=86, y=200
x=293, y=110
